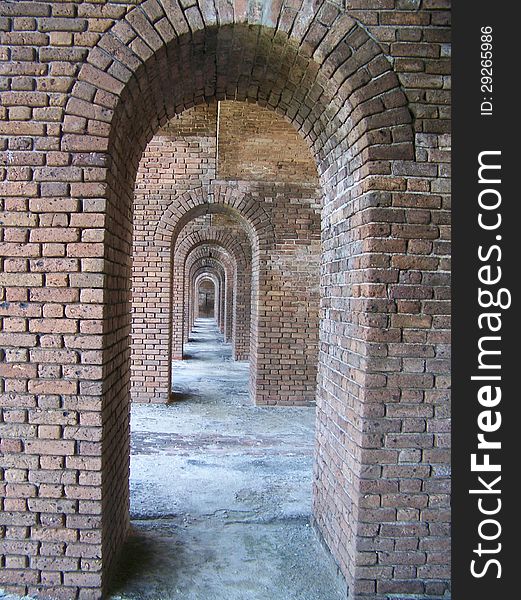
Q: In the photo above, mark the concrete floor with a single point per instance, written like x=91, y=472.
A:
x=221, y=492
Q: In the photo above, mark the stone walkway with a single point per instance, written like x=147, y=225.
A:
x=221, y=492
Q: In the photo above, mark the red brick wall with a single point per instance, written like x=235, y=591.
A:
x=258, y=145
x=86, y=87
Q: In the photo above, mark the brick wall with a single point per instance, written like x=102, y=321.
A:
x=180, y=158
x=85, y=87
x=258, y=145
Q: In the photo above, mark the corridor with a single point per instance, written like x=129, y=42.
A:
x=221, y=491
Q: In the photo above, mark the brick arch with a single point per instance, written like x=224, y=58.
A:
x=180, y=306
x=238, y=244
x=348, y=105
x=238, y=301
x=213, y=199
x=210, y=272
x=204, y=277
x=163, y=297
x=218, y=286
x=203, y=265
x=240, y=248
x=198, y=281
x=221, y=259
x=199, y=266
x=151, y=382
x=232, y=270
x=334, y=93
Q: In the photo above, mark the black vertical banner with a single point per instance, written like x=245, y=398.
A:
x=486, y=260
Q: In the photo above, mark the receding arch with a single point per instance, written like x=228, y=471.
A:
x=199, y=268
x=229, y=263
x=212, y=199
x=205, y=284
x=163, y=296
x=346, y=102
x=237, y=325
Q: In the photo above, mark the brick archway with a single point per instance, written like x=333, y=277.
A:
x=239, y=247
x=151, y=379
x=381, y=455
x=198, y=270
x=200, y=280
x=198, y=262
x=227, y=266
x=237, y=263
x=211, y=199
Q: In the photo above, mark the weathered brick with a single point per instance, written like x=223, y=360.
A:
x=84, y=89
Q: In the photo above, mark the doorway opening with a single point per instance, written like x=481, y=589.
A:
x=228, y=188
x=205, y=298
x=241, y=213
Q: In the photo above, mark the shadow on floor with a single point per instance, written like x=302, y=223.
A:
x=183, y=397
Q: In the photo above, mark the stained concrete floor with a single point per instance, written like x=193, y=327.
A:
x=221, y=491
